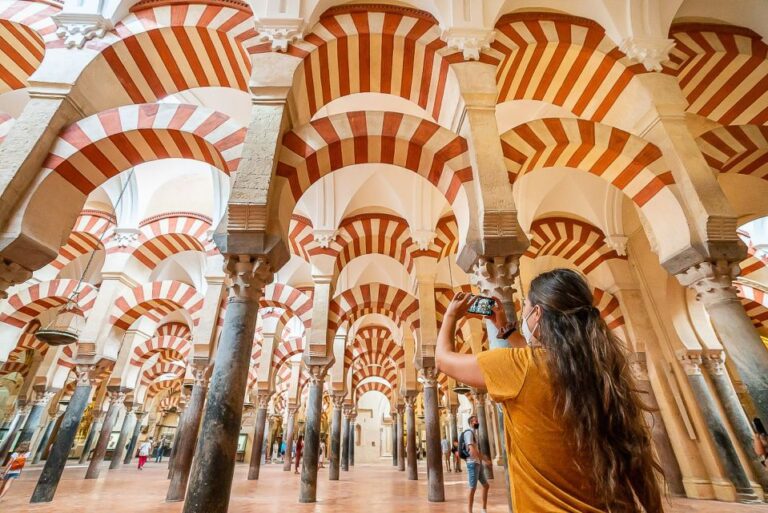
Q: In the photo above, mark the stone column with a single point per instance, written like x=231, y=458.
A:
x=691, y=361
x=95, y=427
x=44, y=439
x=125, y=431
x=55, y=432
x=399, y=434
x=292, y=409
x=10, y=436
x=484, y=443
x=734, y=411
x=436, y=491
x=352, y=419
x=333, y=467
x=345, y=441
x=186, y=450
x=181, y=409
x=116, y=398
x=57, y=458
x=213, y=467
x=258, y=435
x=394, y=437
x=311, y=454
x=454, y=430
x=134, y=438
x=35, y=414
x=410, y=403
x=714, y=289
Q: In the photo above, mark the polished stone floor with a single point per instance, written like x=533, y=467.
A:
x=366, y=489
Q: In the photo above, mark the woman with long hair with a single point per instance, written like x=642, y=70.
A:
x=577, y=438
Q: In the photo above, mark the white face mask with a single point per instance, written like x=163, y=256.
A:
x=526, y=331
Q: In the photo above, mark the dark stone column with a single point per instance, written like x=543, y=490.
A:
x=484, y=442
x=345, y=441
x=292, y=409
x=735, y=412
x=116, y=398
x=55, y=433
x=213, y=467
x=410, y=403
x=178, y=435
x=10, y=436
x=35, y=414
x=435, y=489
x=400, y=443
x=333, y=467
x=134, y=438
x=44, y=439
x=352, y=418
x=691, y=361
x=258, y=435
x=311, y=454
x=454, y=429
x=394, y=436
x=57, y=458
x=94, y=428
x=125, y=431
x=186, y=449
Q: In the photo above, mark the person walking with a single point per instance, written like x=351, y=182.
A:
x=145, y=449
x=299, y=450
x=569, y=402
x=14, y=467
x=455, y=455
x=445, y=447
x=159, y=450
x=469, y=450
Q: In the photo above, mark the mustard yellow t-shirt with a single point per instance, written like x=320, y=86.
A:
x=544, y=470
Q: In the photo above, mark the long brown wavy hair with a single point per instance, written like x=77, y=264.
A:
x=595, y=392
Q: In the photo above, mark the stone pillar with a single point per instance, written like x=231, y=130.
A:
x=125, y=431
x=95, y=427
x=35, y=414
x=735, y=412
x=714, y=289
x=44, y=439
x=213, y=467
x=393, y=413
x=186, y=449
x=345, y=441
x=436, y=491
x=55, y=432
x=57, y=458
x=691, y=361
x=181, y=409
x=134, y=438
x=292, y=409
x=10, y=436
x=399, y=435
x=410, y=403
x=454, y=431
x=116, y=398
x=483, y=443
x=352, y=419
x=311, y=454
x=258, y=435
x=333, y=467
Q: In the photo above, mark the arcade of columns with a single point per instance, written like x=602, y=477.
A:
x=344, y=168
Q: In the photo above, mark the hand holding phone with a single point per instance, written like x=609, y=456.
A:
x=482, y=305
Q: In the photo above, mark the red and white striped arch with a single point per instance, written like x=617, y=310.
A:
x=155, y=300
x=751, y=293
x=328, y=144
x=162, y=50
x=169, y=402
x=26, y=304
x=294, y=301
x=96, y=148
x=757, y=313
x=609, y=307
x=572, y=240
x=372, y=386
x=90, y=227
x=25, y=28
x=162, y=369
x=172, y=340
x=286, y=349
x=563, y=60
x=629, y=163
x=722, y=71
x=737, y=149
x=169, y=385
x=374, y=48
x=372, y=340
x=356, y=302
x=373, y=365
x=443, y=296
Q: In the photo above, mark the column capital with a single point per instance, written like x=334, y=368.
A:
x=428, y=377
x=248, y=276
x=316, y=374
x=84, y=374
x=715, y=361
x=263, y=398
x=43, y=396
x=200, y=373
x=712, y=281
x=338, y=399
x=691, y=361
x=479, y=395
x=638, y=364
x=410, y=401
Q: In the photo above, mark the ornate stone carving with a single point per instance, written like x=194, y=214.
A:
x=200, y=373
x=496, y=276
x=478, y=396
x=316, y=374
x=400, y=409
x=423, y=238
x=410, y=401
x=469, y=41
x=126, y=237
x=712, y=281
x=428, y=377
x=249, y=275
x=84, y=375
x=618, y=243
x=715, y=361
x=639, y=366
x=338, y=400
x=280, y=32
x=42, y=397
x=324, y=237
x=690, y=359
x=263, y=399
x=651, y=52
x=78, y=28
x=11, y=274
x=117, y=396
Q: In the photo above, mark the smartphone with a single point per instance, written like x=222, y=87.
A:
x=482, y=305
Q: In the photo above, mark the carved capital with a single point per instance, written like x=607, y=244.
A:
x=84, y=374
x=324, y=237
x=715, y=361
x=126, y=237
x=117, y=396
x=469, y=41
x=78, y=28
x=200, y=373
x=11, y=274
x=478, y=396
x=280, y=32
x=410, y=401
x=338, y=400
x=712, y=281
x=428, y=377
x=639, y=366
x=651, y=52
x=691, y=361
x=316, y=374
x=423, y=238
x=618, y=243
x=496, y=276
x=248, y=275
x=42, y=397
x=263, y=399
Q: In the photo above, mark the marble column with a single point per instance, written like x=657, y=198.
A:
x=345, y=441
x=258, y=435
x=13, y=430
x=452, y=424
x=292, y=409
x=311, y=454
x=394, y=437
x=55, y=432
x=213, y=467
x=186, y=449
x=57, y=458
x=691, y=361
x=179, y=433
x=352, y=419
x=125, y=431
x=335, y=456
x=43, y=443
x=95, y=427
x=483, y=442
x=131, y=449
x=713, y=283
x=410, y=403
x=725, y=390
x=435, y=488
x=116, y=398
x=400, y=442
x=35, y=414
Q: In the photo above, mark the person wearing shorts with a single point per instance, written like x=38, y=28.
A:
x=475, y=470
x=14, y=467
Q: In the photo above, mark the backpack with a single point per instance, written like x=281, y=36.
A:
x=463, y=449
